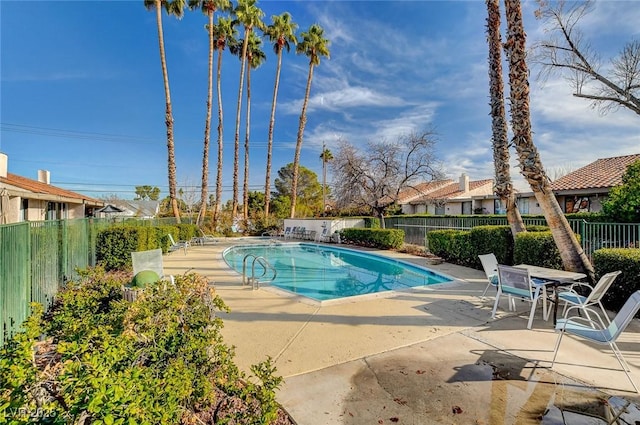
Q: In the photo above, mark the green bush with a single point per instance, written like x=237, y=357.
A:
x=537, y=248
x=377, y=238
x=453, y=246
x=627, y=260
x=158, y=360
x=491, y=239
x=115, y=244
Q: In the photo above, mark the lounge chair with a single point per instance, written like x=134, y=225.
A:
x=517, y=283
x=177, y=245
x=203, y=238
x=594, y=332
x=324, y=236
x=490, y=266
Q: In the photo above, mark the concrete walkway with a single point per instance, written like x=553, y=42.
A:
x=429, y=355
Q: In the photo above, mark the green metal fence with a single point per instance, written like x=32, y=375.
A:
x=36, y=259
x=593, y=236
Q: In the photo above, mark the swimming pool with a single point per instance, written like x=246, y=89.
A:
x=323, y=272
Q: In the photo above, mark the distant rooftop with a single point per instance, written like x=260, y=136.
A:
x=603, y=173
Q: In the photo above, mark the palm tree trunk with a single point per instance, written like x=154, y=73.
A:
x=207, y=132
x=168, y=117
x=573, y=257
x=236, y=152
x=272, y=121
x=216, y=207
x=296, y=158
x=245, y=189
x=504, y=185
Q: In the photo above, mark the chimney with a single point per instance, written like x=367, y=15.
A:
x=464, y=183
x=44, y=176
x=4, y=161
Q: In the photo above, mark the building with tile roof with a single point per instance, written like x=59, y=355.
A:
x=24, y=199
x=452, y=198
x=585, y=188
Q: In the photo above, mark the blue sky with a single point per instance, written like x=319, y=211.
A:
x=82, y=96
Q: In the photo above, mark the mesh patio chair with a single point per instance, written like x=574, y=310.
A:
x=594, y=297
x=516, y=283
x=593, y=331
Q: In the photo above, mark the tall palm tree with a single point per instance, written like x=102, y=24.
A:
x=176, y=8
x=500, y=141
x=209, y=8
x=313, y=45
x=255, y=58
x=573, y=257
x=281, y=33
x=325, y=156
x=224, y=32
x=249, y=15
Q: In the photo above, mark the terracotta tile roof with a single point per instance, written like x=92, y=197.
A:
x=35, y=186
x=452, y=190
x=603, y=173
x=406, y=195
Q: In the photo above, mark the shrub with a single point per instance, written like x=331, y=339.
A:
x=377, y=238
x=453, y=246
x=627, y=260
x=537, y=248
x=495, y=239
x=158, y=360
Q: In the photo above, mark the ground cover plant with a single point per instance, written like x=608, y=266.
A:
x=98, y=359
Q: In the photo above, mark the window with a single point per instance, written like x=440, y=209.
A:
x=24, y=210
x=56, y=210
x=523, y=205
x=499, y=207
x=439, y=210
x=466, y=208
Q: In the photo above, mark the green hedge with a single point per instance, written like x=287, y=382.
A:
x=463, y=246
x=627, y=260
x=537, y=248
x=115, y=244
x=377, y=238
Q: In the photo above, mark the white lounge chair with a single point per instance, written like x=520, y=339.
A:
x=177, y=245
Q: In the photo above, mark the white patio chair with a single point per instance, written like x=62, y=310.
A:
x=517, y=283
x=594, y=332
x=596, y=293
x=490, y=266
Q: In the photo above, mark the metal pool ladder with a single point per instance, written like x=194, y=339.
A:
x=253, y=279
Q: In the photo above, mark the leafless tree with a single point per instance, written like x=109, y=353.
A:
x=374, y=175
x=566, y=52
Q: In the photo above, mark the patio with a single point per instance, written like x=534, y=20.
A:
x=430, y=355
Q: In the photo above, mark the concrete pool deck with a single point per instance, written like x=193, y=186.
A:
x=428, y=355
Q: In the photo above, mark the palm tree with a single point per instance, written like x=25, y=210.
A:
x=281, y=33
x=325, y=156
x=176, y=8
x=313, y=45
x=500, y=141
x=209, y=8
x=224, y=33
x=249, y=15
x=255, y=58
x=573, y=257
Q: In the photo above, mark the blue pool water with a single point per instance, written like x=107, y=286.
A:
x=324, y=272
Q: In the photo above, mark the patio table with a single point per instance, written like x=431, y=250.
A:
x=553, y=278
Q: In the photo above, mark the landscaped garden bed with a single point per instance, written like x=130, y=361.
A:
x=96, y=358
